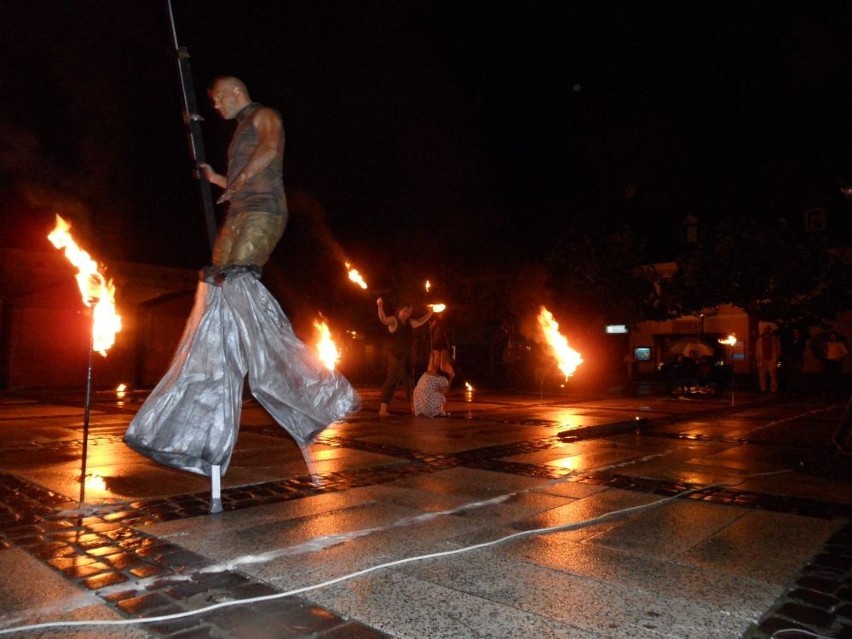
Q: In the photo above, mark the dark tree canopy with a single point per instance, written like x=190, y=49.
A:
x=604, y=279
x=773, y=271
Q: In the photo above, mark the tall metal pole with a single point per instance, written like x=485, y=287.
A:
x=193, y=120
x=731, y=360
x=87, y=411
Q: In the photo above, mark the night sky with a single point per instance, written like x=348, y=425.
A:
x=421, y=134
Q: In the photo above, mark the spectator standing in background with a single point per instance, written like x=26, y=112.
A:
x=766, y=354
x=835, y=352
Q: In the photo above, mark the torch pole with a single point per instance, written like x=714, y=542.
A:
x=543, y=376
x=731, y=360
x=87, y=411
x=193, y=120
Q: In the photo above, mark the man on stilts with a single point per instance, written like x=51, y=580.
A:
x=191, y=419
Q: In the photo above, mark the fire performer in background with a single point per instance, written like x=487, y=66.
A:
x=401, y=328
x=191, y=419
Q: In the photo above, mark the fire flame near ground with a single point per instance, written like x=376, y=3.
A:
x=567, y=359
x=98, y=292
x=328, y=352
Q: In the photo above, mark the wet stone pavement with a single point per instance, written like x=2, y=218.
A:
x=675, y=518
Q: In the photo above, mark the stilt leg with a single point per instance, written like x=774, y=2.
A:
x=316, y=480
x=215, y=490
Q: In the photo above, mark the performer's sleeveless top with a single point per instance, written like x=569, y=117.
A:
x=265, y=191
x=402, y=339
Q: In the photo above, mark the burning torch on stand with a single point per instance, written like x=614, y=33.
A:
x=565, y=357
x=327, y=350
x=99, y=295
x=435, y=308
x=730, y=341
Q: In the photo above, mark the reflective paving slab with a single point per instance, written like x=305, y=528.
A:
x=513, y=517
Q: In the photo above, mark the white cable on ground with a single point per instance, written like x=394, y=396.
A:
x=360, y=573
x=796, y=633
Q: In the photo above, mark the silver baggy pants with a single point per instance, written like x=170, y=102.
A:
x=190, y=421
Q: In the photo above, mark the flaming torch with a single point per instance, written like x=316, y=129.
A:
x=468, y=392
x=355, y=276
x=437, y=308
x=428, y=285
x=567, y=359
x=327, y=349
x=730, y=341
x=99, y=295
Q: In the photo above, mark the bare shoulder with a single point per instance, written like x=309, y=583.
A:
x=266, y=116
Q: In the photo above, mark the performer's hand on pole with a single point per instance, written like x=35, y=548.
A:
x=212, y=176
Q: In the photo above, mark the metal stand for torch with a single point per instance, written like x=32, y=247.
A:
x=87, y=410
x=543, y=377
x=731, y=360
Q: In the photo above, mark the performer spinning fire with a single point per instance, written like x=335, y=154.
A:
x=191, y=419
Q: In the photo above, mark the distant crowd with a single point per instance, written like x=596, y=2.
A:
x=779, y=357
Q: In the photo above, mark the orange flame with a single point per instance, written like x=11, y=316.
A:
x=121, y=393
x=96, y=290
x=428, y=285
x=326, y=348
x=355, y=276
x=437, y=308
x=730, y=340
x=468, y=387
x=566, y=357
x=96, y=482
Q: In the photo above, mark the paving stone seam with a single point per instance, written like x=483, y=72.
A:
x=101, y=556
x=486, y=457
x=69, y=551
x=819, y=599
